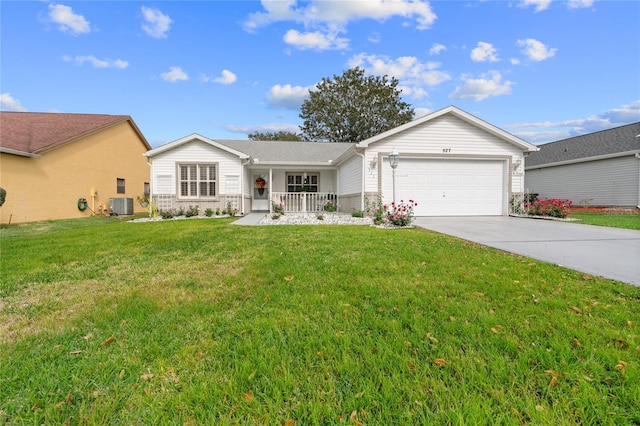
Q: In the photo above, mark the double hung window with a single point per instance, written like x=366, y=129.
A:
x=307, y=182
x=197, y=180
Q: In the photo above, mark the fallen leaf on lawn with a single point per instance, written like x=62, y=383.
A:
x=439, y=362
x=248, y=396
x=59, y=404
x=288, y=278
x=411, y=367
x=88, y=336
x=266, y=298
x=517, y=413
x=319, y=353
x=199, y=354
x=532, y=264
x=492, y=310
x=121, y=375
x=359, y=394
x=364, y=413
x=75, y=352
x=622, y=344
x=477, y=293
x=452, y=318
x=147, y=376
x=553, y=373
x=433, y=339
x=539, y=407
x=497, y=329
x=621, y=366
x=353, y=415
x=251, y=376
x=289, y=422
x=630, y=323
x=68, y=399
x=35, y=406
x=147, y=391
x=109, y=341
x=553, y=382
x=575, y=342
x=576, y=310
x=96, y=393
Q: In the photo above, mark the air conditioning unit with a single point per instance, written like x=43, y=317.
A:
x=121, y=206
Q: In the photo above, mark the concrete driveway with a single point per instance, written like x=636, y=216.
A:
x=608, y=252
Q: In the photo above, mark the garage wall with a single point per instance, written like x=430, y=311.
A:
x=445, y=136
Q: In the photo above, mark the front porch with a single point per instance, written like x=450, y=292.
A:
x=303, y=202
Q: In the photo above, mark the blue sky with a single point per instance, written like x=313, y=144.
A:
x=543, y=70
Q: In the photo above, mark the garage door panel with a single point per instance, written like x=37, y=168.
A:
x=448, y=187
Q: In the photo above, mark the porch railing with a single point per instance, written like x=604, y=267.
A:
x=302, y=202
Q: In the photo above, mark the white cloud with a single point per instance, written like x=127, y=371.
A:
x=514, y=61
x=547, y=131
x=536, y=50
x=8, y=103
x=485, y=52
x=486, y=86
x=539, y=5
x=288, y=96
x=175, y=74
x=226, y=78
x=97, y=63
x=421, y=112
x=414, y=92
x=341, y=12
x=578, y=4
x=408, y=69
x=437, y=48
x=157, y=24
x=315, y=40
x=68, y=21
x=271, y=127
x=374, y=37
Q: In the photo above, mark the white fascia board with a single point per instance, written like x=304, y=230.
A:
x=191, y=137
x=526, y=146
x=582, y=160
x=293, y=163
x=20, y=153
x=346, y=155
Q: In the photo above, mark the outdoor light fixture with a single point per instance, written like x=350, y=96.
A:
x=394, y=157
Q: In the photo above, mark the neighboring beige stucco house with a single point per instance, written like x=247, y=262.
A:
x=50, y=161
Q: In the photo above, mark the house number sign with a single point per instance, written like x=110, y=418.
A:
x=446, y=150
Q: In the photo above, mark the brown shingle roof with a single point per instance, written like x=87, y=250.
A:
x=37, y=132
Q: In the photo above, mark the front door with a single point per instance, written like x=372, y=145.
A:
x=260, y=194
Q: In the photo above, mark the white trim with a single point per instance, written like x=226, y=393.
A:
x=190, y=138
x=20, y=153
x=581, y=160
x=508, y=137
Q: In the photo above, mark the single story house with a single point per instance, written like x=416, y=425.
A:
x=597, y=169
x=60, y=166
x=451, y=163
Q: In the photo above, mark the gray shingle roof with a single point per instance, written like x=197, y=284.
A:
x=605, y=142
x=308, y=152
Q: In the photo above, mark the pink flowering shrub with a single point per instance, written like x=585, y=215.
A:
x=399, y=214
x=553, y=207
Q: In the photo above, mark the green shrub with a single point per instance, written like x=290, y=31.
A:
x=167, y=214
x=208, y=212
x=357, y=213
x=330, y=206
x=319, y=217
x=3, y=196
x=192, y=211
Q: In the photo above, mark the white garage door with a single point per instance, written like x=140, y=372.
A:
x=448, y=187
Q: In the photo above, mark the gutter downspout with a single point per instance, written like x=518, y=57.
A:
x=150, y=187
x=638, y=157
x=242, y=171
x=362, y=183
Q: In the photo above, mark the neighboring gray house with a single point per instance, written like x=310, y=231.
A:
x=597, y=169
x=451, y=164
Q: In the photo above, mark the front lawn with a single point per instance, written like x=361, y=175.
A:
x=200, y=322
x=615, y=219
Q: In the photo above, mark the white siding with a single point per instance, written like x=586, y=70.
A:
x=610, y=182
x=350, y=181
x=164, y=164
x=444, y=137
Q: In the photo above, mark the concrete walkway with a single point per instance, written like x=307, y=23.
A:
x=608, y=252
x=251, y=219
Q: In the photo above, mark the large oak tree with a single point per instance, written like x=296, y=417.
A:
x=353, y=107
x=281, y=135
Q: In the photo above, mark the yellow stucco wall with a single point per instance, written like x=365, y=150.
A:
x=48, y=187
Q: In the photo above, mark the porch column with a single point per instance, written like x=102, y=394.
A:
x=270, y=190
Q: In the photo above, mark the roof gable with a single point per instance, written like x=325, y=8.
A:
x=38, y=132
x=288, y=152
x=457, y=112
x=618, y=140
x=191, y=138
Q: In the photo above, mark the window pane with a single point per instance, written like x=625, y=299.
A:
x=203, y=189
x=212, y=172
x=314, y=180
x=193, y=173
x=212, y=189
x=298, y=179
x=203, y=173
x=290, y=180
x=184, y=189
x=193, y=188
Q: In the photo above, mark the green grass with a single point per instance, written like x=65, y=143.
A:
x=220, y=324
x=629, y=220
